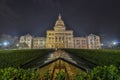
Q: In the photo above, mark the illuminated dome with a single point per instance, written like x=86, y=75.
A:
x=59, y=26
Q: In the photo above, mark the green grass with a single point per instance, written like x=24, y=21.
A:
x=99, y=57
x=16, y=58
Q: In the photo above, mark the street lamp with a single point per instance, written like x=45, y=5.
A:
x=6, y=43
x=115, y=43
x=17, y=45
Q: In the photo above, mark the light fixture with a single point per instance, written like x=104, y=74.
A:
x=114, y=43
x=6, y=43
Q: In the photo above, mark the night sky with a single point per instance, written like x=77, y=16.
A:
x=101, y=17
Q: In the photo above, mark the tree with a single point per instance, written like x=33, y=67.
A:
x=10, y=39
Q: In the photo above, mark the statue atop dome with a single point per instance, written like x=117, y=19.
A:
x=59, y=17
x=59, y=25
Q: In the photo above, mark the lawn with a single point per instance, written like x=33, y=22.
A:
x=16, y=58
x=99, y=57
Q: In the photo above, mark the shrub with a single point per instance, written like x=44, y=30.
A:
x=17, y=74
x=100, y=73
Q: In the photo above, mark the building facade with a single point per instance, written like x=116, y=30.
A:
x=59, y=37
x=26, y=41
x=39, y=42
x=93, y=42
x=80, y=43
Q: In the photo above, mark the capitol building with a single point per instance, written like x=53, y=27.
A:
x=59, y=37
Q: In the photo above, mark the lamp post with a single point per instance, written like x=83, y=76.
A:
x=114, y=44
x=17, y=45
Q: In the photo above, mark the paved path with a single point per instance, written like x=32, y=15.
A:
x=61, y=65
x=60, y=54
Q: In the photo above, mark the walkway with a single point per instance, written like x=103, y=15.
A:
x=60, y=65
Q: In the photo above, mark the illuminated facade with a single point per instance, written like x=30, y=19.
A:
x=80, y=42
x=93, y=42
x=59, y=37
x=26, y=40
x=39, y=42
